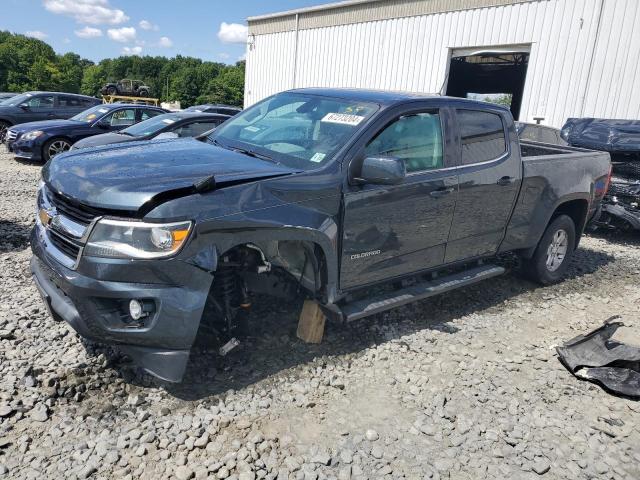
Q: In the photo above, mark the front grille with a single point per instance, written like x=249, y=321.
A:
x=64, y=244
x=11, y=136
x=79, y=213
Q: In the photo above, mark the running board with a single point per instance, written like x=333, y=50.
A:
x=370, y=306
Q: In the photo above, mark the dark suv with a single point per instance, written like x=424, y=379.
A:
x=34, y=106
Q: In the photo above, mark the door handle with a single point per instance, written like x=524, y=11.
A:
x=504, y=181
x=441, y=192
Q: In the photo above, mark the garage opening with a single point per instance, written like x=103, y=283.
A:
x=497, y=75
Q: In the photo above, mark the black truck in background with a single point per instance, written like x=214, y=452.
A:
x=326, y=191
x=621, y=139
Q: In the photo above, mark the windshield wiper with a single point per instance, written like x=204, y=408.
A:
x=245, y=151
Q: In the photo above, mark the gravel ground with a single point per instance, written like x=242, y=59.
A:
x=462, y=386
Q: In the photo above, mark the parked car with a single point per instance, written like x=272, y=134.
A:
x=6, y=95
x=34, y=106
x=168, y=125
x=127, y=87
x=621, y=138
x=215, y=108
x=138, y=245
x=534, y=132
x=42, y=140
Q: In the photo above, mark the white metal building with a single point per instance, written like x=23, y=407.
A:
x=558, y=58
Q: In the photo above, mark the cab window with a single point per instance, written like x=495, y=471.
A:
x=195, y=129
x=415, y=138
x=44, y=101
x=121, y=118
x=482, y=136
x=64, y=101
x=146, y=114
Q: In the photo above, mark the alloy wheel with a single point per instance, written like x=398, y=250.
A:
x=57, y=147
x=557, y=250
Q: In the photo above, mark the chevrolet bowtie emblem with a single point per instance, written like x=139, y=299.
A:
x=46, y=215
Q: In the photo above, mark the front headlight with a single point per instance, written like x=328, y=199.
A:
x=32, y=135
x=125, y=239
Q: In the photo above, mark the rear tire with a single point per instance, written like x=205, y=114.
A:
x=143, y=93
x=111, y=91
x=552, y=256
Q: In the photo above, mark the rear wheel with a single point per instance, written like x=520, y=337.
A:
x=54, y=147
x=4, y=126
x=552, y=257
x=111, y=90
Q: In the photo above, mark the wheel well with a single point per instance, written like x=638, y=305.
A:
x=305, y=261
x=577, y=210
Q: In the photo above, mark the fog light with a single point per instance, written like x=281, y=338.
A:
x=136, y=309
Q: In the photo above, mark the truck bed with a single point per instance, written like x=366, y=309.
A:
x=548, y=173
x=535, y=149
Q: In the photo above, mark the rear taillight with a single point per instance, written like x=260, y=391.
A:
x=602, y=184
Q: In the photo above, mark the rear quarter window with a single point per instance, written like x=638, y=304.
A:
x=482, y=136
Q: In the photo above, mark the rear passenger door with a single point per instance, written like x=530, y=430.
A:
x=394, y=230
x=67, y=106
x=489, y=177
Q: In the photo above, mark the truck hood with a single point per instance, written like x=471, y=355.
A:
x=46, y=125
x=131, y=177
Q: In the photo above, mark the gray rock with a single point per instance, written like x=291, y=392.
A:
x=39, y=413
x=371, y=435
x=541, y=466
x=6, y=410
x=183, y=473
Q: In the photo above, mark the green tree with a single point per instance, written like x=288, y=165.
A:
x=28, y=63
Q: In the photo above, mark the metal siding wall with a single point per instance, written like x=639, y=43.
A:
x=411, y=53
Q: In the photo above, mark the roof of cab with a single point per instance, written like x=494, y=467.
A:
x=387, y=98
x=366, y=95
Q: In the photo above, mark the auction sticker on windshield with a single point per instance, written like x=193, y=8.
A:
x=342, y=118
x=318, y=157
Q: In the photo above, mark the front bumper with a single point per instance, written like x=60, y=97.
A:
x=94, y=302
x=29, y=150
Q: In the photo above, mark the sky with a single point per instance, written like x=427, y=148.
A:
x=95, y=29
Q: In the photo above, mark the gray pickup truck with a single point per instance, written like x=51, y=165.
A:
x=320, y=191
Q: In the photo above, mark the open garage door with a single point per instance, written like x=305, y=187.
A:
x=495, y=74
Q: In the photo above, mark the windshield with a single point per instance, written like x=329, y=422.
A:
x=151, y=125
x=17, y=100
x=90, y=115
x=296, y=129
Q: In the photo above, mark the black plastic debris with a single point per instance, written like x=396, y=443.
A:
x=597, y=358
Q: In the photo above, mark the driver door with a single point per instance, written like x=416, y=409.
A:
x=394, y=230
x=38, y=107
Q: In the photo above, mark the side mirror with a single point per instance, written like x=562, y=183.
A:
x=24, y=106
x=382, y=171
x=103, y=124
